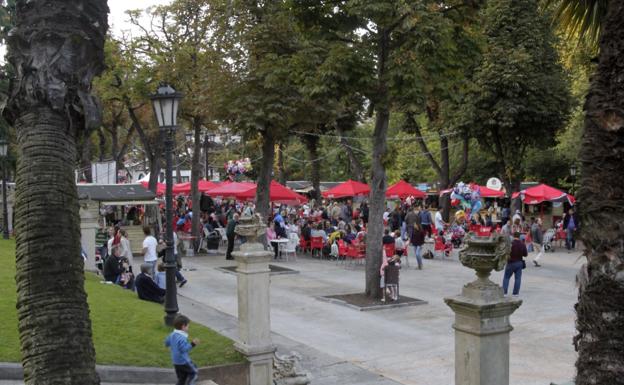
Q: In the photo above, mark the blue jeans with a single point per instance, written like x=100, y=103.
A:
x=513, y=268
x=570, y=241
x=417, y=252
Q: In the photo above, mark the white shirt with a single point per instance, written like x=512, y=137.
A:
x=126, y=250
x=439, y=222
x=150, y=244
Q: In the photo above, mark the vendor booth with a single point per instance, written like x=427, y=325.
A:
x=122, y=202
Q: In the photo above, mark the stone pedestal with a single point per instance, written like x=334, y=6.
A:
x=254, y=321
x=482, y=317
x=89, y=216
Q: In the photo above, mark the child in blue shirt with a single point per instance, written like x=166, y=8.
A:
x=180, y=347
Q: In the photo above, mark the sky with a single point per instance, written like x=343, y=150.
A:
x=117, y=19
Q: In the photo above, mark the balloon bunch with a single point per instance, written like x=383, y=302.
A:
x=236, y=168
x=466, y=196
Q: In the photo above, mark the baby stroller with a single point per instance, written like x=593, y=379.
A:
x=549, y=238
x=212, y=239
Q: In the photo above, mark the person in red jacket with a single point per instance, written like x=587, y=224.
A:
x=515, y=264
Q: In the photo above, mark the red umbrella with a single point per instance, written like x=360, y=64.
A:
x=160, y=187
x=185, y=188
x=543, y=193
x=402, y=190
x=349, y=188
x=277, y=193
x=489, y=193
x=233, y=189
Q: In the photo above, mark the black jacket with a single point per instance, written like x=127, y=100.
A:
x=147, y=289
x=112, y=268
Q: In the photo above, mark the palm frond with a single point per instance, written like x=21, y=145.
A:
x=581, y=19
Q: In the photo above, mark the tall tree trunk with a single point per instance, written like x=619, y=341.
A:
x=54, y=319
x=312, y=142
x=101, y=144
x=152, y=211
x=56, y=48
x=281, y=171
x=85, y=159
x=264, y=175
x=600, y=307
x=442, y=169
x=377, y=197
x=356, y=167
x=195, y=193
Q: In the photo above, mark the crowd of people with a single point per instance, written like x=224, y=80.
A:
x=336, y=225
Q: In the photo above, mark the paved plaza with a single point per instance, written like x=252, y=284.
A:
x=411, y=345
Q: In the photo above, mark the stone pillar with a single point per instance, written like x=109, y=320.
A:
x=89, y=215
x=254, y=321
x=482, y=316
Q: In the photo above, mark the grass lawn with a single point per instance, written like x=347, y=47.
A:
x=126, y=331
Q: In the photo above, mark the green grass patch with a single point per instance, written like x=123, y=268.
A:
x=126, y=330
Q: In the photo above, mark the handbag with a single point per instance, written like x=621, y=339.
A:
x=523, y=264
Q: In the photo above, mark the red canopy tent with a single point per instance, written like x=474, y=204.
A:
x=490, y=193
x=402, y=190
x=349, y=188
x=160, y=187
x=233, y=189
x=277, y=193
x=543, y=193
x=185, y=188
x=484, y=191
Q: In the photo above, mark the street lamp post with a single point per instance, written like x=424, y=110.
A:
x=573, y=175
x=165, y=102
x=4, y=149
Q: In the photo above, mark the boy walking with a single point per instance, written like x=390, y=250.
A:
x=180, y=347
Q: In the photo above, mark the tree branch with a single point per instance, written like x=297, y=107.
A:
x=464, y=162
x=412, y=126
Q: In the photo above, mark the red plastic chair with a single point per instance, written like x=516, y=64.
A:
x=441, y=246
x=484, y=231
x=390, y=249
x=356, y=252
x=316, y=243
x=342, y=250
x=304, y=245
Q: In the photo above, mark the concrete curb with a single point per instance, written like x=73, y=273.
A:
x=370, y=308
x=229, y=374
x=284, y=272
x=116, y=374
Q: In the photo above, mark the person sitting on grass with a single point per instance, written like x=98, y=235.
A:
x=180, y=347
x=146, y=288
x=112, y=266
x=161, y=277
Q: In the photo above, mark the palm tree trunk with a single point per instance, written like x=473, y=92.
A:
x=600, y=307
x=54, y=323
x=56, y=47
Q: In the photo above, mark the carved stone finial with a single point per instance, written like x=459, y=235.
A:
x=286, y=372
x=484, y=254
x=251, y=227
